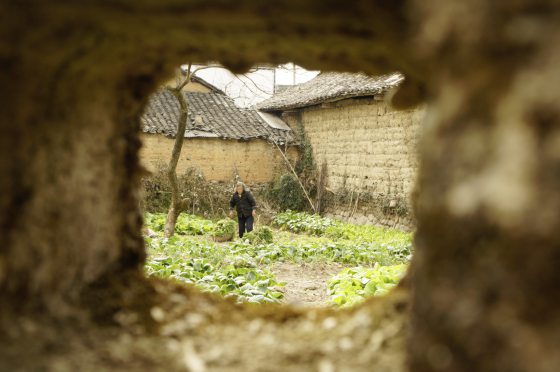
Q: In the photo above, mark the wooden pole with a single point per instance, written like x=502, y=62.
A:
x=297, y=178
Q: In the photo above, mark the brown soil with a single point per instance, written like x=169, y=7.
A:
x=306, y=284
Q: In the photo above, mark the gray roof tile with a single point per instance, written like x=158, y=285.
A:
x=210, y=115
x=328, y=87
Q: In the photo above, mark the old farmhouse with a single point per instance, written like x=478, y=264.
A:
x=369, y=149
x=222, y=141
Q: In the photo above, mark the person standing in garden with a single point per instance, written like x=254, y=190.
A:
x=246, y=207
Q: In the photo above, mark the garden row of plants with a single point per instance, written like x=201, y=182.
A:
x=197, y=255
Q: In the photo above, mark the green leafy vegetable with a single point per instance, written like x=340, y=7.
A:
x=224, y=230
x=353, y=285
x=261, y=235
x=239, y=267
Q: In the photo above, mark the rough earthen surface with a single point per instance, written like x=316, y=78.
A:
x=74, y=79
x=371, y=153
x=255, y=161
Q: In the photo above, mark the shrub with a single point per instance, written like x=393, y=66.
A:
x=286, y=193
x=261, y=235
x=156, y=191
x=224, y=230
x=203, y=197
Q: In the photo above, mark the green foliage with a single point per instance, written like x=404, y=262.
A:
x=187, y=224
x=302, y=222
x=238, y=267
x=397, y=243
x=286, y=193
x=343, y=242
x=311, y=248
x=353, y=285
x=224, y=229
x=246, y=284
x=306, y=163
x=261, y=235
x=211, y=268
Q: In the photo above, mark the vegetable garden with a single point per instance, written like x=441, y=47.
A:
x=199, y=253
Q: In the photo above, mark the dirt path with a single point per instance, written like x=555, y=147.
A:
x=306, y=284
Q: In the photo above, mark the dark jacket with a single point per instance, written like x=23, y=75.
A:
x=245, y=203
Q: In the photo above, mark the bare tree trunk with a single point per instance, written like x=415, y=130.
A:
x=321, y=186
x=177, y=205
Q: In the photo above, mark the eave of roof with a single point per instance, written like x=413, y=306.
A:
x=211, y=115
x=212, y=87
x=330, y=87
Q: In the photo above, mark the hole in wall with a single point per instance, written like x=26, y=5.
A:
x=310, y=117
x=330, y=339
x=351, y=251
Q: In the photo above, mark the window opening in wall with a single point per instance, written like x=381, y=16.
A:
x=258, y=216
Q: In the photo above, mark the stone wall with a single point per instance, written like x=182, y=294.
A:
x=371, y=157
x=255, y=161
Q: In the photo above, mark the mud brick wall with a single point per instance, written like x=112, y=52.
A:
x=255, y=161
x=370, y=152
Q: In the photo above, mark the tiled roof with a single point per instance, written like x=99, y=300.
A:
x=328, y=87
x=201, y=81
x=210, y=115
